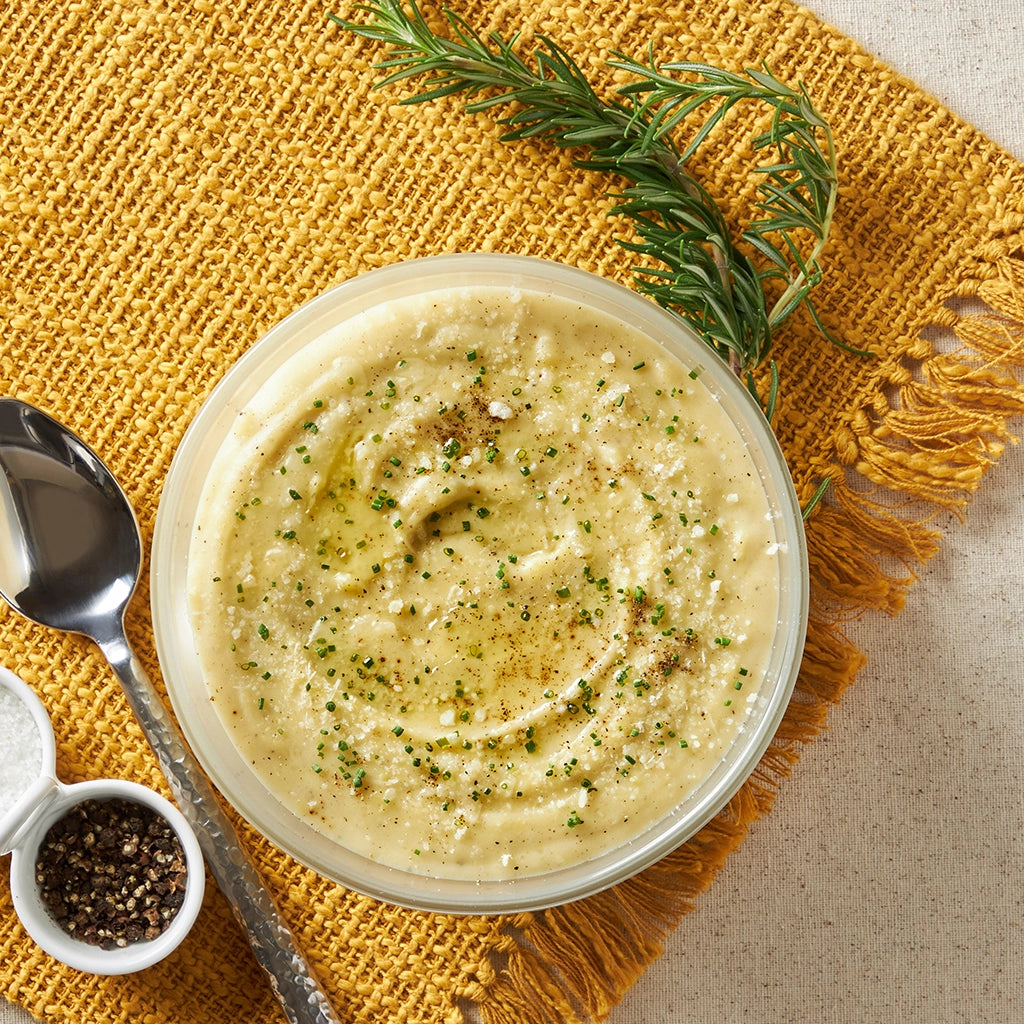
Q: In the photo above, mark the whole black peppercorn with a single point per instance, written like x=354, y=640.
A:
x=111, y=872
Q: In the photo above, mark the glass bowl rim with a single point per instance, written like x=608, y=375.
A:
x=172, y=532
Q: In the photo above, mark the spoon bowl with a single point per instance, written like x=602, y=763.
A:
x=70, y=557
x=59, y=508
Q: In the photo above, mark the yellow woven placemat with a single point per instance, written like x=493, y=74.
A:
x=177, y=176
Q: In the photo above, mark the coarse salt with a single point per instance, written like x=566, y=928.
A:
x=23, y=749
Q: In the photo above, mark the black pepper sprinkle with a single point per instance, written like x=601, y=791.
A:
x=111, y=873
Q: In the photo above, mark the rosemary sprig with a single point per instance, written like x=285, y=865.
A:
x=704, y=275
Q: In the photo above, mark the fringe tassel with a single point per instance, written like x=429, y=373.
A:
x=528, y=991
x=933, y=446
x=849, y=546
x=950, y=426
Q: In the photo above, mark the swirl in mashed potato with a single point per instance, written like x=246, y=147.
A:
x=486, y=586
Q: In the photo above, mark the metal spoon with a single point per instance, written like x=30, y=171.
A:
x=70, y=555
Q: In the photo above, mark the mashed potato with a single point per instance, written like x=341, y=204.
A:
x=484, y=586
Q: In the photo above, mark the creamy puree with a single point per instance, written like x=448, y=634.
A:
x=483, y=583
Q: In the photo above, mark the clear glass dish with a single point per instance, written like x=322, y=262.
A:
x=213, y=745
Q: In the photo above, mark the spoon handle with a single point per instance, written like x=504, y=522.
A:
x=290, y=975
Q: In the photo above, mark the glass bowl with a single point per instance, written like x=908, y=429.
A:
x=175, y=526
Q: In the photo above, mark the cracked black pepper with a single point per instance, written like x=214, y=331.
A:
x=112, y=873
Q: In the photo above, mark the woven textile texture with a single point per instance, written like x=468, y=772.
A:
x=176, y=177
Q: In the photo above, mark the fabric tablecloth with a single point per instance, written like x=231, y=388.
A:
x=960, y=235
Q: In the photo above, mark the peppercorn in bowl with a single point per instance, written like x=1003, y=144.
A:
x=479, y=583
